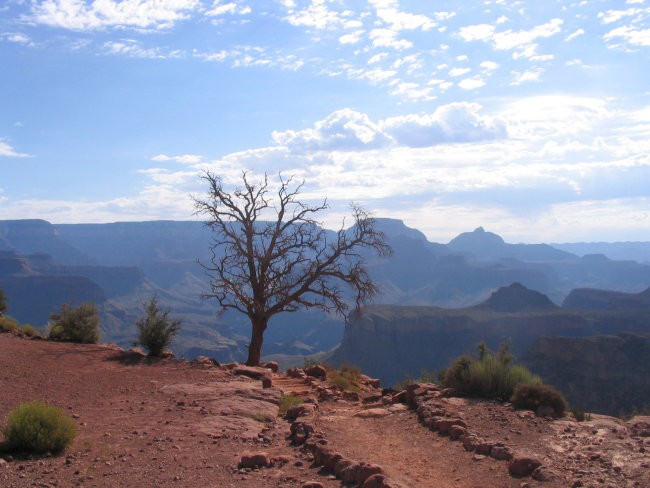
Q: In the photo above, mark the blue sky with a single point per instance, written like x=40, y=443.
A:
x=529, y=118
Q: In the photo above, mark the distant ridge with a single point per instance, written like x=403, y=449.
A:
x=488, y=246
x=517, y=298
x=593, y=299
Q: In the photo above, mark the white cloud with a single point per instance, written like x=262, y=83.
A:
x=8, y=151
x=471, y=83
x=17, y=38
x=317, y=16
x=630, y=35
x=183, y=159
x=229, y=8
x=612, y=16
x=526, y=76
x=351, y=38
x=489, y=65
x=81, y=15
x=344, y=129
x=455, y=122
x=523, y=40
x=459, y=71
x=574, y=34
x=388, y=38
x=478, y=32
x=389, y=13
x=132, y=48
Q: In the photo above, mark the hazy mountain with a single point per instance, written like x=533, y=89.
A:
x=634, y=251
x=395, y=342
x=125, y=263
x=593, y=299
x=486, y=246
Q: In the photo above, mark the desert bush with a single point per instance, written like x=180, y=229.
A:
x=579, y=414
x=288, y=400
x=28, y=330
x=3, y=303
x=79, y=324
x=155, y=330
x=490, y=376
x=37, y=428
x=532, y=396
x=7, y=323
x=345, y=378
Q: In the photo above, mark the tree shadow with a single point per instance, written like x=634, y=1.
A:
x=134, y=358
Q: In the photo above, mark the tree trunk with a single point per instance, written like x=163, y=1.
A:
x=257, y=338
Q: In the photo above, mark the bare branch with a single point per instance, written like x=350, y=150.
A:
x=262, y=268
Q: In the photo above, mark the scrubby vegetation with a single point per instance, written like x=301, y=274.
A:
x=346, y=378
x=533, y=396
x=38, y=428
x=3, y=303
x=155, y=330
x=491, y=375
x=72, y=324
x=28, y=330
x=288, y=400
x=8, y=324
x=579, y=414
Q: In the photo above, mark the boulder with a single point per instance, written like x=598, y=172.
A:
x=254, y=372
x=380, y=481
x=523, y=465
x=296, y=373
x=272, y=365
x=501, y=453
x=457, y=432
x=300, y=432
x=301, y=410
x=254, y=460
x=543, y=473
x=312, y=484
x=316, y=371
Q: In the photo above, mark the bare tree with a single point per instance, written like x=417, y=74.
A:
x=262, y=266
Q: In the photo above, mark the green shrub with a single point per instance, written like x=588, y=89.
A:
x=28, y=330
x=579, y=414
x=155, y=330
x=489, y=376
x=79, y=324
x=7, y=323
x=532, y=396
x=38, y=428
x=3, y=303
x=288, y=400
x=345, y=378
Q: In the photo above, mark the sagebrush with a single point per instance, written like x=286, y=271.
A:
x=346, y=378
x=288, y=400
x=533, y=396
x=491, y=375
x=38, y=428
x=156, y=331
x=75, y=324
